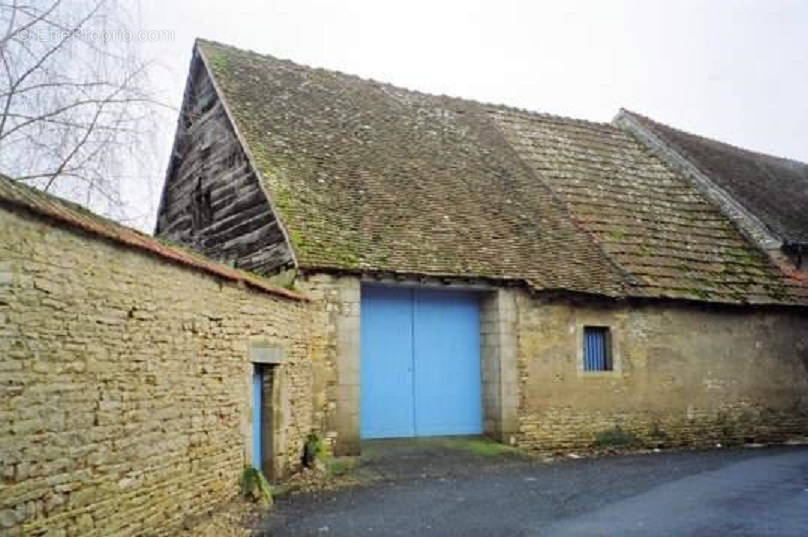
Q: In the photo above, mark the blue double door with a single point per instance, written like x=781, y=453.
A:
x=420, y=363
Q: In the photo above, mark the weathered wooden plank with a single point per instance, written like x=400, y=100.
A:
x=251, y=237
x=176, y=228
x=208, y=156
x=230, y=219
x=241, y=228
x=262, y=260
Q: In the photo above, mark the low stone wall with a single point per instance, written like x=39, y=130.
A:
x=125, y=401
x=683, y=375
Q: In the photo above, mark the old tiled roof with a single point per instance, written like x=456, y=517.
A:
x=774, y=189
x=367, y=176
x=69, y=214
x=666, y=238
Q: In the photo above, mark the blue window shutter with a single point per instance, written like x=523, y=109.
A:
x=596, y=354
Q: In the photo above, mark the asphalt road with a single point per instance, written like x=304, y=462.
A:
x=747, y=492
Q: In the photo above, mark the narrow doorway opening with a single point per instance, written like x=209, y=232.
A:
x=263, y=452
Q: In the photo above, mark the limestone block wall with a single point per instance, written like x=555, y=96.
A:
x=336, y=303
x=683, y=374
x=125, y=392
x=499, y=366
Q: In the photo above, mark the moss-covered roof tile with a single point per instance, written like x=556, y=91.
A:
x=370, y=177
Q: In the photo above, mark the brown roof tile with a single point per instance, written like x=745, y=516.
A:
x=367, y=176
x=648, y=219
x=370, y=177
x=773, y=189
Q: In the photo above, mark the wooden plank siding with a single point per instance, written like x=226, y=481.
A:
x=213, y=200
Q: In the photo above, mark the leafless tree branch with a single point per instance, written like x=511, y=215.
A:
x=77, y=111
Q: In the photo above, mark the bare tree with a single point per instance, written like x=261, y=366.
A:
x=76, y=110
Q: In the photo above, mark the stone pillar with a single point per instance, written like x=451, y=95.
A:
x=346, y=420
x=339, y=297
x=499, y=364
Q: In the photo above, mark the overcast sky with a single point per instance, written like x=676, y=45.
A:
x=732, y=70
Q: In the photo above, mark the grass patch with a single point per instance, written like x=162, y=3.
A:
x=482, y=447
x=313, y=450
x=255, y=487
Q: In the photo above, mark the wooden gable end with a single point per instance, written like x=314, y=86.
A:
x=213, y=200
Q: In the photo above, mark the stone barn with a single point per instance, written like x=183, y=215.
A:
x=343, y=258
x=486, y=270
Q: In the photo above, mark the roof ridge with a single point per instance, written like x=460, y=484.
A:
x=416, y=92
x=326, y=70
x=546, y=115
x=734, y=147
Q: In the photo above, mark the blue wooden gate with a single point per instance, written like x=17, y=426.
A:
x=420, y=363
x=386, y=402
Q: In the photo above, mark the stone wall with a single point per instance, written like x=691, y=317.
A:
x=498, y=357
x=683, y=374
x=125, y=401
x=335, y=301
